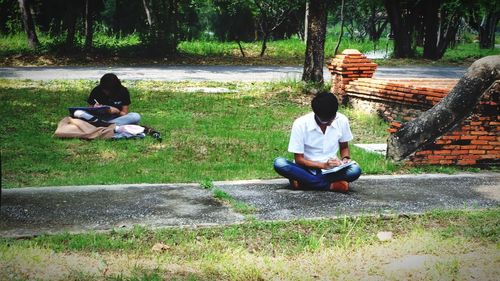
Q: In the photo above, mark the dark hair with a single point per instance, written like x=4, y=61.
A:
x=110, y=82
x=325, y=105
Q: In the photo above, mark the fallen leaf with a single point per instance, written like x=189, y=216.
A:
x=160, y=247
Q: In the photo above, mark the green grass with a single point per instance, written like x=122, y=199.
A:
x=294, y=250
x=116, y=50
x=223, y=136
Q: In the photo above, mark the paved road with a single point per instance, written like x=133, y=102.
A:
x=33, y=211
x=210, y=73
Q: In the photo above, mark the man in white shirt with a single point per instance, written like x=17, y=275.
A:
x=315, y=140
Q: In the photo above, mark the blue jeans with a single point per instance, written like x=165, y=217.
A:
x=130, y=118
x=320, y=181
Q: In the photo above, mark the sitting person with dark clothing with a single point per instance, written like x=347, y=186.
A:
x=110, y=92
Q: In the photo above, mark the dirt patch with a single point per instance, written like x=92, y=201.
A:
x=42, y=264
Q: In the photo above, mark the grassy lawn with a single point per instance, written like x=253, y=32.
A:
x=215, y=136
x=441, y=245
x=207, y=136
x=127, y=50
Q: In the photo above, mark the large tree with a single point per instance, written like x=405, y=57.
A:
x=91, y=8
x=234, y=21
x=29, y=24
x=441, y=20
x=448, y=113
x=271, y=14
x=402, y=17
x=483, y=16
x=315, y=45
x=161, y=37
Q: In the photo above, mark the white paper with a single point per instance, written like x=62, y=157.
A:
x=338, y=168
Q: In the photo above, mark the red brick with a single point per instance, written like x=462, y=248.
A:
x=451, y=137
x=435, y=157
x=471, y=156
x=424, y=152
x=477, y=151
x=466, y=137
x=479, y=142
x=396, y=124
x=469, y=147
x=466, y=162
x=459, y=152
x=451, y=147
x=486, y=147
x=487, y=138
x=440, y=152
x=488, y=156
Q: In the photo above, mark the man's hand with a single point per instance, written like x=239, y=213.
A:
x=332, y=162
x=346, y=160
x=113, y=110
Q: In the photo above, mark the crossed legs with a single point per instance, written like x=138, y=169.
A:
x=318, y=181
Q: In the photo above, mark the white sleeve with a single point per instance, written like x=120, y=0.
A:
x=296, y=144
x=346, y=131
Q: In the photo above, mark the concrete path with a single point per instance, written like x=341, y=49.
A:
x=34, y=211
x=211, y=73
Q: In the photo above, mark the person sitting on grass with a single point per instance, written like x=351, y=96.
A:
x=315, y=140
x=110, y=92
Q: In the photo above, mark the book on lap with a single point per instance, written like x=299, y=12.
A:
x=338, y=168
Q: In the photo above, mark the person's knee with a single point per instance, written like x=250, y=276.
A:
x=134, y=117
x=353, y=173
x=280, y=164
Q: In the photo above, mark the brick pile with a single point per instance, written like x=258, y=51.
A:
x=348, y=66
x=476, y=141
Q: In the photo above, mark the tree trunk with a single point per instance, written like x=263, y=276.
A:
x=70, y=23
x=341, y=28
x=448, y=113
x=241, y=47
x=431, y=22
x=315, y=46
x=306, y=20
x=400, y=23
x=148, y=12
x=446, y=37
x=89, y=24
x=379, y=30
x=174, y=6
x=487, y=30
x=264, y=45
x=29, y=25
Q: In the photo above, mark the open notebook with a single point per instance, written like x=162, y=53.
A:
x=338, y=168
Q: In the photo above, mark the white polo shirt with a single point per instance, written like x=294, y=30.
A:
x=308, y=139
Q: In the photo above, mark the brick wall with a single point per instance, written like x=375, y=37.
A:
x=397, y=100
x=475, y=141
